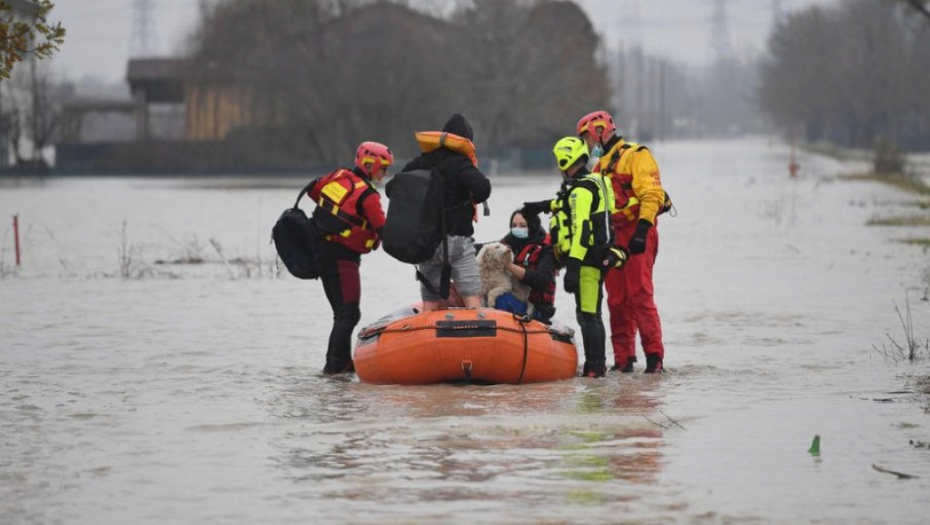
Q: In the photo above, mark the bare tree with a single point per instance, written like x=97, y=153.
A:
x=43, y=115
x=854, y=74
x=322, y=75
x=529, y=69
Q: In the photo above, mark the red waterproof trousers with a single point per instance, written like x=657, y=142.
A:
x=630, y=298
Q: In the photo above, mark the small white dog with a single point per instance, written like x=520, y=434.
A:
x=493, y=262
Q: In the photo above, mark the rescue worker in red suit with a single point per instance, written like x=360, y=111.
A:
x=634, y=175
x=350, y=216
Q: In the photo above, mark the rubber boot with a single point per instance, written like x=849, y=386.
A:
x=594, y=369
x=626, y=368
x=592, y=336
x=653, y=364
x=339, y=351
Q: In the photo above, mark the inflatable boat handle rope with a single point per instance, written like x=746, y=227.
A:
x=523, y=320
x=411, y=328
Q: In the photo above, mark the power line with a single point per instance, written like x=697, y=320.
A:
x=144, y=39
x=720, y=31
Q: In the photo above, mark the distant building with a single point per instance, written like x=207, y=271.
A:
x=179, y=120
x=23, y=8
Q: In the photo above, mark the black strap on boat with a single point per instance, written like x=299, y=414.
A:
x=523, y=320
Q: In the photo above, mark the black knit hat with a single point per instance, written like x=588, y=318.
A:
x=533, y=223
x=458, y=125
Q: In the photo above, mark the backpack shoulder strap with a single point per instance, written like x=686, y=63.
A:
x=306, y=190
x=445, y=278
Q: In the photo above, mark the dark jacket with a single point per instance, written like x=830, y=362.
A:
x=540, y=277
x=464, y=185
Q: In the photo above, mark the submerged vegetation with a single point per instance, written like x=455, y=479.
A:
x=908, y=183
x=910, y=220
x=912, y=348
x=917, y=241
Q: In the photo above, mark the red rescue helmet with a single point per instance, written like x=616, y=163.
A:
x=599, y=119
x=372, y=156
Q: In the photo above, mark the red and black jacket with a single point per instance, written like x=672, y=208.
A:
x=536, y=257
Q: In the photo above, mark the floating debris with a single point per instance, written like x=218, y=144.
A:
x=900, y=475
x=815, y=446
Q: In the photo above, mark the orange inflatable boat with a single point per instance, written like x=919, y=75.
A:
x=482, y=345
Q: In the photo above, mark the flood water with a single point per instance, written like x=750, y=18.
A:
x=191, y=393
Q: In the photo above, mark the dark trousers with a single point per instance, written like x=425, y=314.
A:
x=341, y=282
x=588, y=300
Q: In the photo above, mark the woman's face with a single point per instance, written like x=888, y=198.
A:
x=518, y=221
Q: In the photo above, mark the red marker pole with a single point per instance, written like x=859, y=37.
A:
x=16, y=236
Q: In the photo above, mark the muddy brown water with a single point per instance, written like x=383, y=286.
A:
x=192, y=393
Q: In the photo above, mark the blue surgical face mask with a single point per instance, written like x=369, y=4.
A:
x=597, y=151
x=520, y=233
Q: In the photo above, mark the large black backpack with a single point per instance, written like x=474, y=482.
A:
x=416, y=223
x=296, y=238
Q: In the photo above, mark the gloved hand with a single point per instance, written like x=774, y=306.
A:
x=615, y=257
x=572, y=275
x=638, y=241
x=537, y=207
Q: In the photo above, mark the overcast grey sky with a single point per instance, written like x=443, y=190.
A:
x=100, y=31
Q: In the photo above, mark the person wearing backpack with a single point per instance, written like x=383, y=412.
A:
x=582, y=237
x=452, y=155
x=350, y=217
x=640, y=199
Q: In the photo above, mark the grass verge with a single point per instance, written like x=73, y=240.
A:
x=910, y=220
x=905, y=182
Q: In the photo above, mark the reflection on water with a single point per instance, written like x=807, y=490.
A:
x=558, y=445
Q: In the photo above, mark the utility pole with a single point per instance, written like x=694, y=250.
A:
x=144, y=39
x=720, y=31
x=777, y=14
x=636, y=113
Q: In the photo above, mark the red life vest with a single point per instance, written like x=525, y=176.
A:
x=528, y=257
x=625, y=199
x=341, y=193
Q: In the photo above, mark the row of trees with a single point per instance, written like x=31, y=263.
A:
x=30, y=109
x=27, y=112
x=323, y=75
x=852, y=74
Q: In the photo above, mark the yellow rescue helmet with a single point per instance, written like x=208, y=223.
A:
x=568, y=151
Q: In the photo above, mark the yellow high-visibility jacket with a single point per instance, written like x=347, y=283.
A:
x=581, y=217
x=634, y=175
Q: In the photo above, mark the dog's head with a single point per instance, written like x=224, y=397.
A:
x=496, y=254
